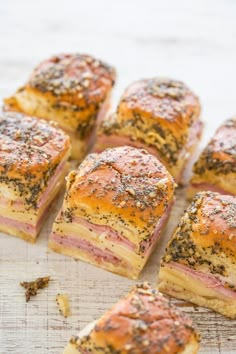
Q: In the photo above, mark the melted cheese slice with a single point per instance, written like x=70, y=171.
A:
x=182, y=286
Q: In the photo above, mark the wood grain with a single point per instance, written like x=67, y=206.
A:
x=193, y=41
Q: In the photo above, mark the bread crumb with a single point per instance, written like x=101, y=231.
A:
x=32, y=287
x=63, y=304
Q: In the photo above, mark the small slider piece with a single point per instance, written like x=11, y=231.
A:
x=160, y=115
x=115, y=207
x=143, y=322
x=33, y=164
x=199, y=263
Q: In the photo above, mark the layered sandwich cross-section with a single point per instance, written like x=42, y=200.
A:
x=199, y=264
x=115, y=207
x=33, y=164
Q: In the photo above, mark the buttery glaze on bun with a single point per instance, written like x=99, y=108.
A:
x=215, y=170
x=33, y=164
x=160, y=115
x=115, y=207
x=199, y=263
x=143, y=322
x=71, y=89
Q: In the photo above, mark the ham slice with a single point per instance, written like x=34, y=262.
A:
x=99, y=255
x=105, y=231
x=207, y=279
x=28, y=228
x=105, y=141
x=108, y=232
x=104, y=110
x=194, y=133
x=150, y=244
x=209, y=187
x=24, y=227
x=54, y=179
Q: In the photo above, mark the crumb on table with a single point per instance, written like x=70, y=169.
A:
x=63, y=304
x=32, y=287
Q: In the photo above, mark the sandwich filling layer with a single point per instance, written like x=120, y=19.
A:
x=200, y=288
x=102, y=244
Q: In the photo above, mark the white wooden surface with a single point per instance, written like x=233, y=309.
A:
x=190, y=40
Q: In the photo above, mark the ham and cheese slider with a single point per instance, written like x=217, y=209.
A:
x=115, y=207
x=199, y=262
x=33, y=164
x=71, y=89
x=215, y=169
x=143, y=322
x=160, y=115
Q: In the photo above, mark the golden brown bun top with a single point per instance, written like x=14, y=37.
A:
x=74, y=78
x=161, y=99
x=209, y=223
x=219, y=156
x=160, y=113
x=123, y=182
x=30, y=151
x=144, y=322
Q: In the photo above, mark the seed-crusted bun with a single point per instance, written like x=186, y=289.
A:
x=200, y=260
x=215, y=170
x=33, y=163
x=71, y=89
x=160, y=115
x=115, y=207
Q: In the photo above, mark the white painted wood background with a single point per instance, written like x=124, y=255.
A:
x=190, y=40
